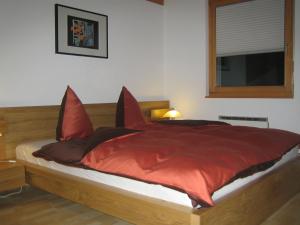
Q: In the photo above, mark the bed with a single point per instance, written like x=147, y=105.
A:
x=24, y=152
x=250, y=204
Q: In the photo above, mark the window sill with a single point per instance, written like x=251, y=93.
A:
x=251, y=92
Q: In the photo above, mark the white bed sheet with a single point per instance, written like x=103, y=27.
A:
x=25, y=150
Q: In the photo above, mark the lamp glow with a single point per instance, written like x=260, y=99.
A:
x=172, y=114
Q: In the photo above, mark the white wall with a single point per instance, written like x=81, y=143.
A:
x=186, y=70
x=32, y=74
x=139, y=31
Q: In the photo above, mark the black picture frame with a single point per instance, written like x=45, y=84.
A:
x=80, y=32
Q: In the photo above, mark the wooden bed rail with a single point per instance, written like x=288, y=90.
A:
x=255, y=202
x=132, y=207
x=250, y=205
x=19, y=124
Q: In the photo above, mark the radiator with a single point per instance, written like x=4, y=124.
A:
x=261, y=122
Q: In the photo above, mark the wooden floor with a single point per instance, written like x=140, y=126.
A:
x=36, y=207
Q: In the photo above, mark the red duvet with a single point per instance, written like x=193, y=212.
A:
x=197, y=160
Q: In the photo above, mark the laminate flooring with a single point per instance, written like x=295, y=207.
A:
x=36, y=207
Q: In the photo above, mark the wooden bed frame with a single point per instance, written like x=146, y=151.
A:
x=249, y=205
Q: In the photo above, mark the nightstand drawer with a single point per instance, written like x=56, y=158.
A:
x=12, y=176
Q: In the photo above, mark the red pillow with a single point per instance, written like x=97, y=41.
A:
x=73, y=121
x=128, y=112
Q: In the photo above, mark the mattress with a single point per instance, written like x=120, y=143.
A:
x=24, y=152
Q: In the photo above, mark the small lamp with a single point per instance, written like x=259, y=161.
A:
x=172, y=114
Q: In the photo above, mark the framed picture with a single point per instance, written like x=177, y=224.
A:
x=80, y=32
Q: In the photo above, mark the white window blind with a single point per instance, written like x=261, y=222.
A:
x=250, y=27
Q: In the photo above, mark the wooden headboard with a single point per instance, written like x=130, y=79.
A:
x=19, y=124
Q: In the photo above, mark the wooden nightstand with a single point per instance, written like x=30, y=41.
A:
x=12, y=176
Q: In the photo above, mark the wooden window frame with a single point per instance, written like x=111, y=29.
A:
x=284, y=91
x=161, y=2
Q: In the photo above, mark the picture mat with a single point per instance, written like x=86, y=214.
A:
x=62, y=35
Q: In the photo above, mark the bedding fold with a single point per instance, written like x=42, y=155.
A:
x=197, y=160
x=194, y=157
x=71, y=152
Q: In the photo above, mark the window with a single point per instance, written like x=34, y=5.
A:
x=251, y=48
